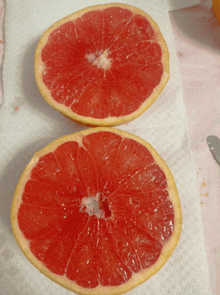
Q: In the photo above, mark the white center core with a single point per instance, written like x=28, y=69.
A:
x=91, y=206
x=100, y=59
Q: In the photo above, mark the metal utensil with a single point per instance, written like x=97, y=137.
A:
x=214, y=146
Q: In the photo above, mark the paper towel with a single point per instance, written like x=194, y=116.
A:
x=180, y=4
x=28, y=123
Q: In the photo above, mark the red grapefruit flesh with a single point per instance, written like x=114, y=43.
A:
x=103, y=65
x=97, y=211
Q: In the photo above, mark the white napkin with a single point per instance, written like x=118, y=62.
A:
x=28, y=123
x=179, y=4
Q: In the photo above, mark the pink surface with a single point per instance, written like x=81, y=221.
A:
x=197, y=38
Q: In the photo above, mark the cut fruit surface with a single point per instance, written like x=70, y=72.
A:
x=103, y=65
x=97, y=211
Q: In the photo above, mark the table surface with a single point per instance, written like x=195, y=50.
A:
x=196, y=34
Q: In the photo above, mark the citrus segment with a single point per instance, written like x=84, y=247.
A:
x=97, y=211
x=85, y=250
x=103, y=65
x=148, y=249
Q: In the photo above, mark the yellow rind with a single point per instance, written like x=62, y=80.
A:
x=111, y=121
x=137, y=278
x=216, y=8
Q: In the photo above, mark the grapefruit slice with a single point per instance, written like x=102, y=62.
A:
x=103, y=65
x=97, y=211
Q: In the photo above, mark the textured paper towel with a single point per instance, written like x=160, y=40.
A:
x=179, y=4
x=35, y=124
